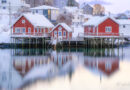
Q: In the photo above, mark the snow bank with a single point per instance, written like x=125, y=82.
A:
x=4, y=34
x=77, y=31
x=4, y=26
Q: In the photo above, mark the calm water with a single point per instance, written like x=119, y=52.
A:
x=66, y=69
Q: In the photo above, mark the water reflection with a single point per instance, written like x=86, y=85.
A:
x=26, y=66
x=102, y=62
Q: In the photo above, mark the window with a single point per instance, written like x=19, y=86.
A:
x=55, y=33
x=60, y=33
x=36, y=11
x=108, y=29
x=4, y=7
x=108, y=66
x=60, y=28
x=29, y=30
x=64, y=33
x=40, y=30
x=23, y=21
x=3, y=1
x=23, y=30
x=124, y=26
x=17, y=30
x=49, y=12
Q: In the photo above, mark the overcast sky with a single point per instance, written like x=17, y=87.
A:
x=114, y=6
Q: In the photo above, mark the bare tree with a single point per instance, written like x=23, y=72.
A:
x=65, y=18
x=21, y=11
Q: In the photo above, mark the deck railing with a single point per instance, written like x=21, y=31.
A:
x=30, y=35
x=100, y=35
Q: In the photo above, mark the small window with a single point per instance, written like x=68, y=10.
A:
x=4, y=7
x=3, y=1
x=124, y=26
x=55, y=32
x=29, y=30
x=23, y=30
x=60, y=28
x=40, y=30
x=23, y=21
x=64, y=33
x=60, y=33
x=17, y=30
x=108, y=29
x=36, y=11
x=108, y=66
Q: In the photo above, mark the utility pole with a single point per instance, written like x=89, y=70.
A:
x=10, y=14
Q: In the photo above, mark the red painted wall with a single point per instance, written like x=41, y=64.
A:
x=101, y=28
x=88, y=30
x=27, y=24
x=109, y=22
x=63, y=29
x=114, y=67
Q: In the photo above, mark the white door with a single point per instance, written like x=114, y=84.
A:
x=55, y=34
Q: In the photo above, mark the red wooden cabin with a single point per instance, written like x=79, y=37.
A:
x=105, y=65
x=31, y=25
x=61, y=32
x=101, y=26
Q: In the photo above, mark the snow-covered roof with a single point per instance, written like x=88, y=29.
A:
x=124, y=21
x=72, y=9
x=65, y=26
x=45, y=7
x=96, y=20
x=37, y=20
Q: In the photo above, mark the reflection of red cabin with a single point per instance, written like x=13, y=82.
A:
x=105, y=65
x=25, y=65
x=101, y=26
x=62, y=32
x=32, y=24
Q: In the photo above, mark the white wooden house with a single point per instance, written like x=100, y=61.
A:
x=124, y=27
x=14, y=5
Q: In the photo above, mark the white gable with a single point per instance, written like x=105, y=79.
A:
x=95, y=21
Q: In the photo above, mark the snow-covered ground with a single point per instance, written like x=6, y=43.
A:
x=77, y=30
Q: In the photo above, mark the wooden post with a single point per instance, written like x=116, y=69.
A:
x=43, y=42
x=36, y=43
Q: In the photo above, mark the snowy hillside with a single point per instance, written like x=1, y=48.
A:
x=4, y=26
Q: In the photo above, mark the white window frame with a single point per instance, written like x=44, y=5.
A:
x=29, y=30
x=60, y=28
x=64, y=33
x=22, y=30
x=108, y=66
x=16, y=30
x=59, y=32
x=55, y=33
x=108, y=29
x=23, y=21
